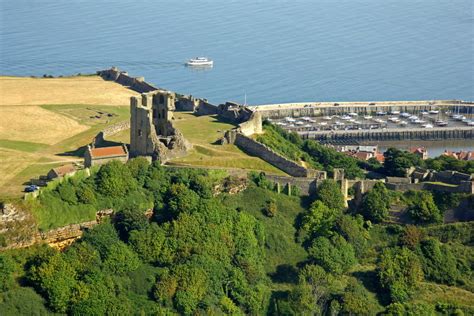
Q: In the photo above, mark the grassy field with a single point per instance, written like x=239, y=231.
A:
x=44, y=123
x=203, y=132
x=68, y=90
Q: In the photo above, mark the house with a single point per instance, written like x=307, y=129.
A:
x=60, y=172
x=100, y=156
x=420, y=152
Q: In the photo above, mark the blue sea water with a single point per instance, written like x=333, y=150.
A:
x=272, y=51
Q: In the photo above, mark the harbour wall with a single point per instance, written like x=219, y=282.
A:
x=332, y=108
x=394, y=134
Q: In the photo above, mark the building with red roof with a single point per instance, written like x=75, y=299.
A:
x=102, y=155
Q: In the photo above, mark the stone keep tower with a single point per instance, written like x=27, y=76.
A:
x=151, y=130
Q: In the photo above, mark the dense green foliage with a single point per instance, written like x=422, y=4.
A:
x=422, y=208
x=376, y=203
x=316, y=155
x=256, y=252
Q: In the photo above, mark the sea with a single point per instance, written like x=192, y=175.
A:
x=264, y=51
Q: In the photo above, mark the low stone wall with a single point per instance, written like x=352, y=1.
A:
x=257, y=149
x=110, y=130
x=464, y=187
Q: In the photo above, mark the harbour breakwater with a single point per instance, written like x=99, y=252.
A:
x=393, y=134
x=333, y=108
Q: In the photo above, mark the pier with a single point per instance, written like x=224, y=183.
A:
x=394, y=134
x=334, y=108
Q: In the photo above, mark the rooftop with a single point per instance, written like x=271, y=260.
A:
x=108, y=152
x=63, y=170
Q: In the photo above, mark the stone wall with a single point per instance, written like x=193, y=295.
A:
x=252, y=126
x=108, y=131
x=257, y=149
x=121, y=77
x=307, y=186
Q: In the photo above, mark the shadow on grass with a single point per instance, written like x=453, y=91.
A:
x=370, y=281
x=79, y=152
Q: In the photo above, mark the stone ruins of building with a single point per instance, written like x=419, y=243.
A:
x=151, y=129
x=100, y=156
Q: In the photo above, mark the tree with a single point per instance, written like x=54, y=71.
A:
x=335, y=255
x=320, y=219
x=128, y=220
x=399, y=272
x=439, y=263
x=56, y=279
x=181, y=199
x=151, y=245
x=330, y=194
x=271, y=208
x=67, y=193
x=120, y=259
x=397, y=161
x=422, y=208
x=7, y=267
x=376, y=203
x=114, y=179
x=356, y=300
x=411, y=237
x=353, y=230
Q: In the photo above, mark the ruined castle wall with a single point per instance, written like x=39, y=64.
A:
x=253, y=125
x=257, y=149
x=110, y=130
x=140, y=127
x=307, y=186
x=135, y=83
x=206, y=108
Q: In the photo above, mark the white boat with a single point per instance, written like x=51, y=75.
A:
x=394, y=112
x=471, y=123
x=352, y=114
x=367, y=117
x=323, y=123
x=403, y=123
x=441, y=123
x=200, y=62
x=308, y=125
x=381, y=113
x=427, y=126
x=281, y=124
x=345, y=117
x=394, y=119
x=405, y=114
x=433, y=111
x=299, y=123
x=312, y=121
x=305, y=118
x=289, y=119
x=424, y=113
x=327, y=118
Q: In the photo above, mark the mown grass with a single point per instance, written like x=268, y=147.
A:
x=49, y=156
x=203, y=132
x=22, y=146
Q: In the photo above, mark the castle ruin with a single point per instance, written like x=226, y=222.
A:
x=151, y=129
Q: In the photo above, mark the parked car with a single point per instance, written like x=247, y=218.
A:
x=31, y=188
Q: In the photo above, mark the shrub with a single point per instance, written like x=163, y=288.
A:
x=271, y=208
x=335, y=255
x=376, y=203
x=330, y=194
x=422, y=208
x=399, y=272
